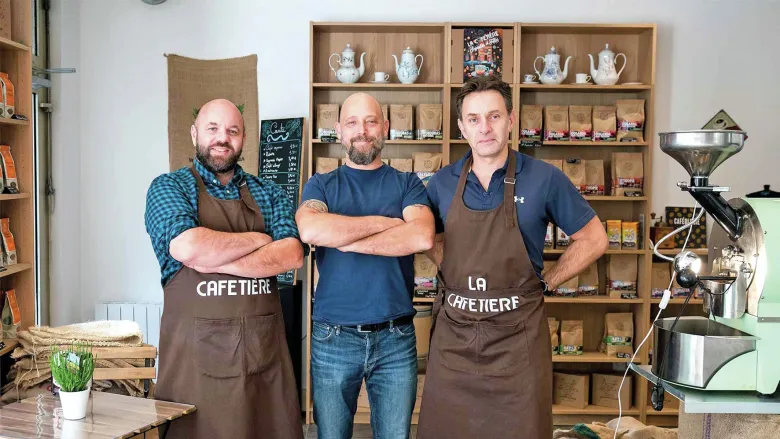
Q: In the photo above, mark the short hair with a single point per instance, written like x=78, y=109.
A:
x=484, y=83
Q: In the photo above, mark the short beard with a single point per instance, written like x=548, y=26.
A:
x=202, y=153
x=368, y=157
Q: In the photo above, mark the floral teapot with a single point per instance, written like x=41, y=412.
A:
x=348, y=73
x=606, y=74
x=552, y=74
x=407, y=70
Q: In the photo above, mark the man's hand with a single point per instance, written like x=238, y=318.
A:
x=414, y=235
x=436, y=253
x=588, y=244
x=203, y=247
x=323, y=229
x=275, y=258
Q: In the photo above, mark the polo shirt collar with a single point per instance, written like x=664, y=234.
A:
x=458, y=166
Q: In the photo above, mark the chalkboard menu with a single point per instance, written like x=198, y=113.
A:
x=280, y=162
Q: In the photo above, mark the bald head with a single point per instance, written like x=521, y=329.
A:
x=362, y=129
x=360, y=104
x=220, y=108
x=218, y=135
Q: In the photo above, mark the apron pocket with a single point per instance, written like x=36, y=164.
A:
x=217, y=343
x=456, y=343
x=261, y=342
x=503, y=349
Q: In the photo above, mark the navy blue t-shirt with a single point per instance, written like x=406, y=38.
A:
x=543, y=195
x=354, y=288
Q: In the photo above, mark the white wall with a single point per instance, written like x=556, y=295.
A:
x=113, y=133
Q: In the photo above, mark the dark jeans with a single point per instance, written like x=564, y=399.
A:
x=342, y=357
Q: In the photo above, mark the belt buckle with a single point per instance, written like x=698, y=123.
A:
x=360, y=329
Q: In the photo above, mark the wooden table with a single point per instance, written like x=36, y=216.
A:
x=108, y=416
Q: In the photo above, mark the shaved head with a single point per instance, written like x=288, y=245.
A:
x=218, y=136
x=362, y=129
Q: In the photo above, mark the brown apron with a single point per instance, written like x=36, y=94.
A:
x=222, y=343
x=489, y=369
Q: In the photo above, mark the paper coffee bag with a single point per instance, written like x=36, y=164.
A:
x=8, y=95
x=660, y=279
x=575, y=170
x=604, y=124
x=10, y=180
x=401, y=122
x=557, y=163
x=531, y=126
x=11, y=315
x=327, y=117
x=580, y=122
x=622, y=275
x=326, y=165
x=553, y=326
x=426, y=161
x=429, y=119
x=568, y=288
x=9, y=245
x=403, y=165
x=630, y=120
x=556, y=122
x=618, y=336
x=594, y=177
x=627, y=174
x=588, y=280
x=571, y=337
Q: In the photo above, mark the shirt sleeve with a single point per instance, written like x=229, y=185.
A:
x=415, y=192
x=433, y=196
x=169, y=212
x=282, y=224
x=313, y=190
x=566, y=207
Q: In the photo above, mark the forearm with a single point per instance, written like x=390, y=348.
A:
x=204, y=247
x=403, y=240
x=436, y=253
x=334, y=231
x=576, y=258
x=275, y=258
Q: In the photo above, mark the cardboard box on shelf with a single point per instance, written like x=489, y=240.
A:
x=571, y=390
x=605, y=390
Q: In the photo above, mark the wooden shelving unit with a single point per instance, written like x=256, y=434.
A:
x=440, y=81
x=16, y=60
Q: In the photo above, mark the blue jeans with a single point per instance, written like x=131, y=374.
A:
x=342, y=357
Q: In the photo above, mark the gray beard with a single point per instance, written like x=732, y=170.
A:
x=364, y=158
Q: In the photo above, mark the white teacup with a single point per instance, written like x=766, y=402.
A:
x=583, y=78
x=529, y=78
x=381, y=77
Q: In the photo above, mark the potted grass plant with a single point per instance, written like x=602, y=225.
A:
x=72, y=370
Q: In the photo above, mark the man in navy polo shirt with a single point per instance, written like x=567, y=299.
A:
x=367, y=220
x=490, y=366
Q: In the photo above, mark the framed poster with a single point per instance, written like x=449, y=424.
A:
x=482, y=52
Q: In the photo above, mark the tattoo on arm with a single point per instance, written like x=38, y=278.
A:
x=317, y=205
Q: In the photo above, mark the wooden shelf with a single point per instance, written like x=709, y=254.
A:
x=664, y=412
x=590, y=357
x=609, y=252
x=593, y=410
x=7, y=44
x=391, y=142
x=679, y=301
x=423, y=299
x=391, y=86
x=7, y=121
x=612, y=198
x=10, y=345
x=16, y=268
x=591, y=143
x=591, y=300
x=581, y=87
x=22, y=196
x=676, y=251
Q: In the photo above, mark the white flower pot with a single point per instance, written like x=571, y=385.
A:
x=74, y=404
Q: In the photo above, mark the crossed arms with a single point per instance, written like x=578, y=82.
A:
x=372, y=235
x=249, y=254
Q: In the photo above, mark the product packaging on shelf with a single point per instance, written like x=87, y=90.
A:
x=429, y=122
x=571, y=337
x=8, y=95
x=571, y=390
x=622, y=275
x=605, y=390
x=588, y=280
x=327, y=117
x=401, y=122
x=618, y=339
x=10, y=181
x=9, y=245
x=627, y=174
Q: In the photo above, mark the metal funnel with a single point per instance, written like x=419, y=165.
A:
x=700, y=152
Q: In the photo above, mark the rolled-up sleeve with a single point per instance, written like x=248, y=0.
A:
x=169, y=213
x=282, y=224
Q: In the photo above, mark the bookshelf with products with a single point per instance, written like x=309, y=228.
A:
x=17, y=216
x=443, y=47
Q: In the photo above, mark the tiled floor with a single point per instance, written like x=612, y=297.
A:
x=361, y=431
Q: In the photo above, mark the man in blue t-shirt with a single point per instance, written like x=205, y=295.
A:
x=367, y=220
x=489, y=370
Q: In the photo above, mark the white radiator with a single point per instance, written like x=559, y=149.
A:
x=147, y=315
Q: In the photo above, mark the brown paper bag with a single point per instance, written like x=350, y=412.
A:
x=571, y=390
x=622, y=276
x=553, y=325
x=594, y=177
x=557, y=163
x=575, y=170
x=630, y=120
x=424, y=266
x=568, y=288
x=426, y=162
x=384, y=111
x=604, y=124
x=556, y=122
x=326, y=165
x=580, y=122
x=429, y=119
x=618, y=336
x=588, y=280
x=403, y=165
x=401, y=122
x=531, y=125
x=627, y=174
x=327, y=118
x=571, y=337
x=660, y=278
x=605, y=391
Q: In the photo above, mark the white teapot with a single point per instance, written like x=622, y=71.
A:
x=407, y=70
x=348, y=73
x=551, y=73
x=606, y=74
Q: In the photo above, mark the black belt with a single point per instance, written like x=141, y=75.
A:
x=375, y=327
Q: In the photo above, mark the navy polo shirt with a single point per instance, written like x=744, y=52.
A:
x=354, y=288
x=543, y=194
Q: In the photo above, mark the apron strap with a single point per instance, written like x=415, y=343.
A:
x=510, y=210
x=464, y=173
x=199, y=180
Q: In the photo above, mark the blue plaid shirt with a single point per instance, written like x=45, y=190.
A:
x=172, y=208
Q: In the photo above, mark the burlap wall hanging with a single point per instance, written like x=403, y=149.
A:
x=192, y=83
